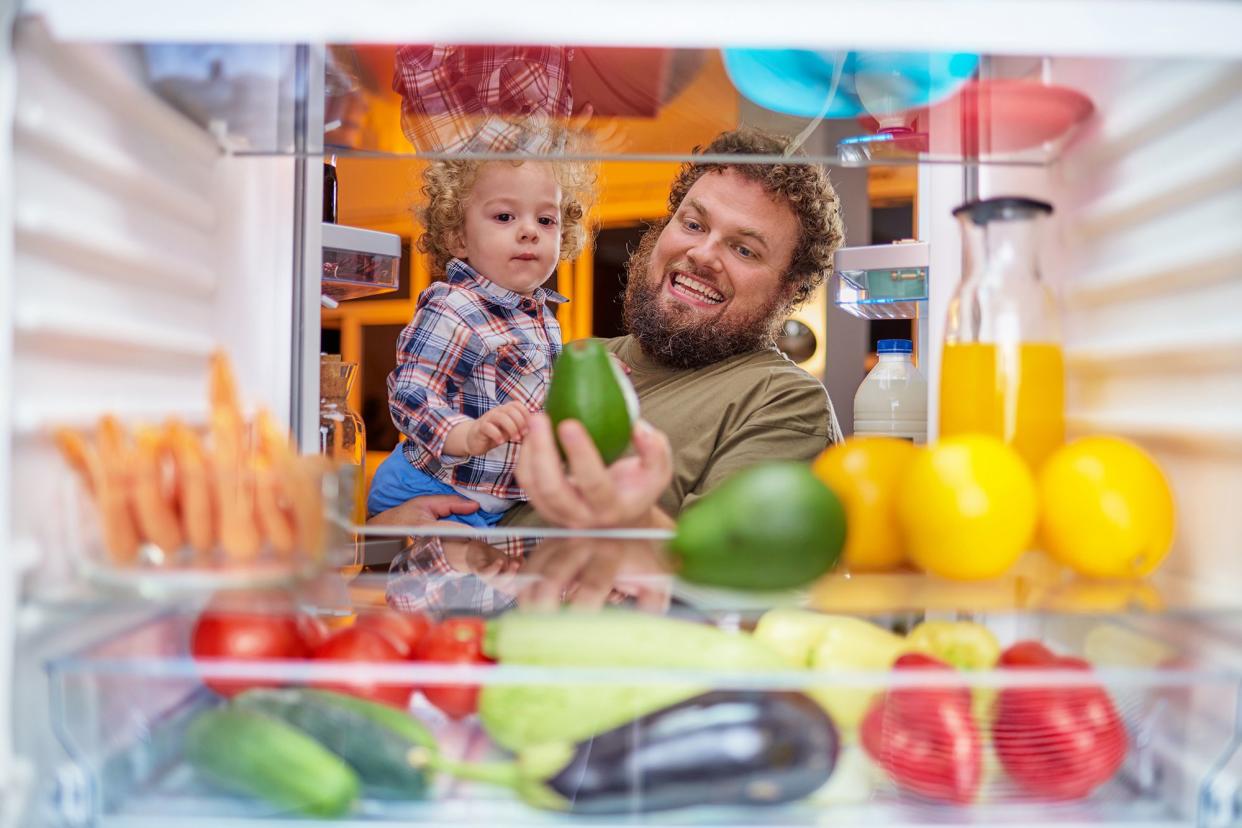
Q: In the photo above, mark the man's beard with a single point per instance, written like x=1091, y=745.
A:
x=673, y=335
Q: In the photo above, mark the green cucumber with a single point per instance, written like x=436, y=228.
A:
x=374, y=739
x=518, y=717
x=248, y=752
x=398, y=721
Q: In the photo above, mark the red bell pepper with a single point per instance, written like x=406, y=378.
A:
x=1056, y=742
x=925, y=738
x=1026, y=653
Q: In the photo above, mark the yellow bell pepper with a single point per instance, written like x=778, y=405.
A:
x=833, y=643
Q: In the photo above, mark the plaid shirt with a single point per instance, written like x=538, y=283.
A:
x=483, y=98
x=472, y=346
x=420, y=579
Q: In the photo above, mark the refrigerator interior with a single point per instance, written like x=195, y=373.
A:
x=121, y=709
x=155, y=215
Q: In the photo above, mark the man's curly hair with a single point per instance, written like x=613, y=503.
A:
x=446, y=189
x=805, y=187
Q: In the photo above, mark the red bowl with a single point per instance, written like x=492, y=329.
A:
x=997, y=116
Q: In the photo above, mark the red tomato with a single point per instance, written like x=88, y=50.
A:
x=1026, y=654
x=244, y=636
x=1059, y=742
x=454, y=641
x=313, y=630
x=455, y=635
x=361, y=644
x=405, y=629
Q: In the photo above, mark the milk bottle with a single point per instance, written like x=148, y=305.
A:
x=892, y=400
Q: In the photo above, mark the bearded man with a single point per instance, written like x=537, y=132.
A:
x=743, y=244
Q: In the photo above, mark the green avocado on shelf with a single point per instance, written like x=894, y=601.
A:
x=771, y=526
x=588, y=386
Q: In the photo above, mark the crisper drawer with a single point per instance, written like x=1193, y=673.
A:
x=647, y=700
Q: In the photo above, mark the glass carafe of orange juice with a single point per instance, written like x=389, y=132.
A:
x=343, y=437
x=1002, y=372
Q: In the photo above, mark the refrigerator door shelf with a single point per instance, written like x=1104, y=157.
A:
x=358, y=263
x=882, y=281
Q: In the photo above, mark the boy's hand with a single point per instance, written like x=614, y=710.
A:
x=504, y=424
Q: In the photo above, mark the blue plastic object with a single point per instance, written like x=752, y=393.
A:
x=895, y=346
x=798, y=82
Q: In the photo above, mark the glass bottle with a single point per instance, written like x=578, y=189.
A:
x=342, y=437
x=1002, y=371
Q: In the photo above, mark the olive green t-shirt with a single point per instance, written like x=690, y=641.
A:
x=722, y=418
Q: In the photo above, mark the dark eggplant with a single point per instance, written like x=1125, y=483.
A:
x=720, y=748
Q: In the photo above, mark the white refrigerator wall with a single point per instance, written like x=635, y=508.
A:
x=137, y=248
x=1151, y=279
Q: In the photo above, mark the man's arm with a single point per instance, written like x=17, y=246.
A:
x=424, y=509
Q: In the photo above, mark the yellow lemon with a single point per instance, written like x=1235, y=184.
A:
x=1106, y=508
x=967, y=507
x=864, y=472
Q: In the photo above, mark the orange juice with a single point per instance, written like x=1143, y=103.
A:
x=1016, y=393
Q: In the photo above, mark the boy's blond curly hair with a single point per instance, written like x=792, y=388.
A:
x=446, y=188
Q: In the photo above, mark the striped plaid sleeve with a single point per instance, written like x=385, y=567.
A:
x=435, y=354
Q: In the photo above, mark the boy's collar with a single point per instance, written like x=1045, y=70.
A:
x=458, y=272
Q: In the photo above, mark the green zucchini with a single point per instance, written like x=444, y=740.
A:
x=518, y=717
x=374, y=739
x=248, y=752
x=622, y=638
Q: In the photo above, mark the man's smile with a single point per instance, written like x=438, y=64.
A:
x=695, y=291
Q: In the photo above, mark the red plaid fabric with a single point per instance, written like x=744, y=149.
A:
x=483, y=98
x=420, y=579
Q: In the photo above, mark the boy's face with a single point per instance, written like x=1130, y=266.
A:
x=512, y=233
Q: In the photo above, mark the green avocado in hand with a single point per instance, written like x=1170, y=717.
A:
x=588, y=386
x=771, y=526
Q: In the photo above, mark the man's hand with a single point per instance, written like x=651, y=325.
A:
x=504, y=424
x=593, y=495
x=588, y=573
x=425, y=509
x=489, y=564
